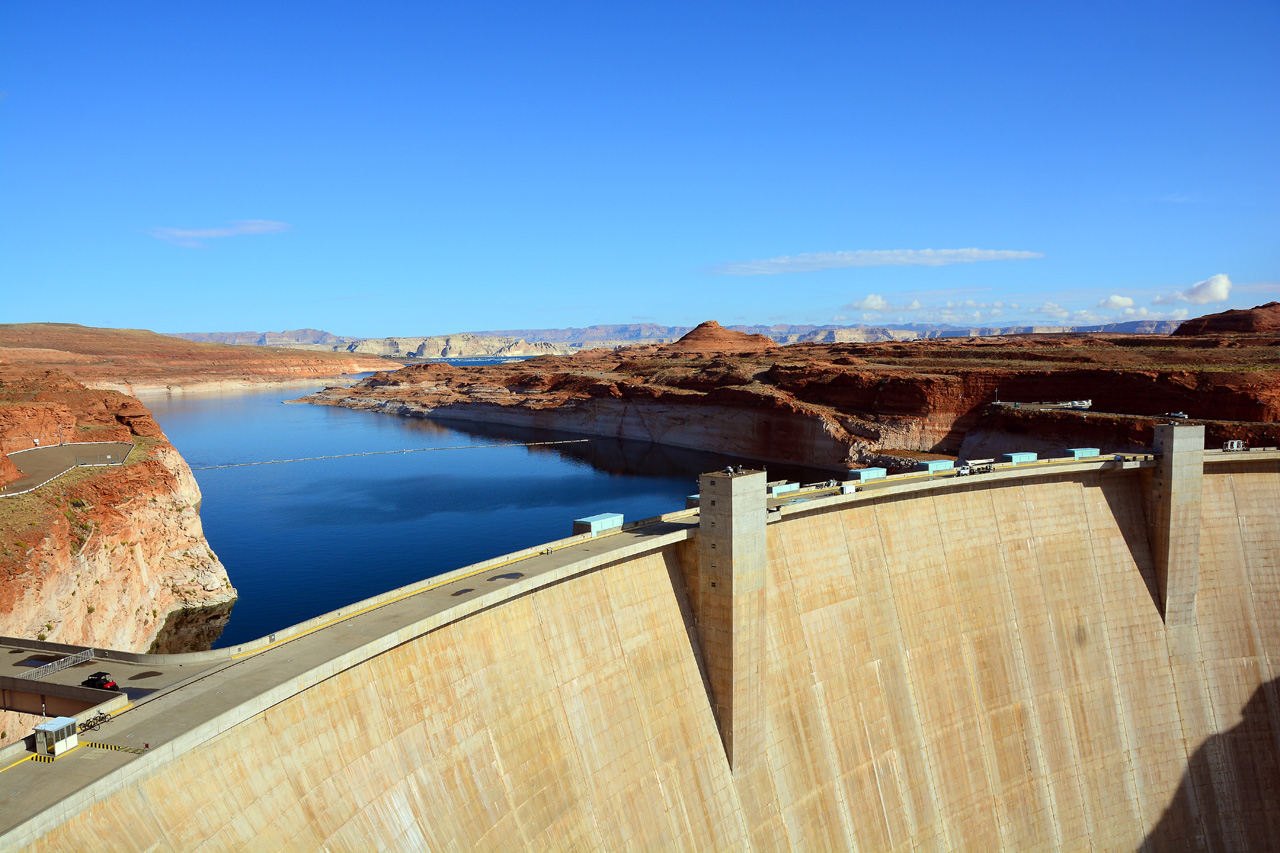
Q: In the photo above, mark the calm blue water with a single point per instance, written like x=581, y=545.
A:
x=303, y=538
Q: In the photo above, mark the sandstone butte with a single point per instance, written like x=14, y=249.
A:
x=1263, y=318
x=105, y=556
x=860, y=404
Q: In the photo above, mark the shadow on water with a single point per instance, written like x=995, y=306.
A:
x=193, y=630
x=623, y=457
x=1229, y=798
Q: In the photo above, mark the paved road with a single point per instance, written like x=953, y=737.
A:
x=41, y=464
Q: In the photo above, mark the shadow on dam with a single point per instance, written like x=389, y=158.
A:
x=1229, y=797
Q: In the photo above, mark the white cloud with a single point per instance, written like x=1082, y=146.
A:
x=1116, y=302
x=1216, y=288
x=192, y=237
x=1053, y=309
x=870, y=302
x=869, y=258
x=1213, y=289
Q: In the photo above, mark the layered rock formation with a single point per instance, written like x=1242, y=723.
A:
x=264, y=339
x=100, y=556
x=1262, y=318
x=711, y=337
x=846, y=405
x=453, y=346
x=140, y=362
x=526, y=342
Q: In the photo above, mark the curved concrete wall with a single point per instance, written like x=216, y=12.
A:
x=978, y=667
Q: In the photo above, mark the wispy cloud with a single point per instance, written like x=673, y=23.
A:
x=1144, y=313
x=1257, y=287
x=193, y=237
x=1216, y=288
x=869, y=258
x=960, y=311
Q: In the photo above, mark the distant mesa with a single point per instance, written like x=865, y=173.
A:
x=712, y=337
x=1261, y=318
x=263, y=339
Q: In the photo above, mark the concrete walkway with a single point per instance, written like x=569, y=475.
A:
x=39, y=465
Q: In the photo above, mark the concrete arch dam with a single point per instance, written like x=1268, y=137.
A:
x=1081, y=656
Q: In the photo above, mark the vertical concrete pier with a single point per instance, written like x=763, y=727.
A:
x=727, y=595
x=1175, y=526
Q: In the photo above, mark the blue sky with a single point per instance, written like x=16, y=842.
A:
x=417, y=168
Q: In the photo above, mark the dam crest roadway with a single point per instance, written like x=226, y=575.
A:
x=1025, y=658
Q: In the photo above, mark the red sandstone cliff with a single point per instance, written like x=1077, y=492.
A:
x=842, y=405
x=1262, y=318
x=100, y=556
x=712, y=337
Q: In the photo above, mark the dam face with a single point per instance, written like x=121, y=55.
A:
x=985, y=665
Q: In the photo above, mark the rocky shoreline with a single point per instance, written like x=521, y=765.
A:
x=842, y=406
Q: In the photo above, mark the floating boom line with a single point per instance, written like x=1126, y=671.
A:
x=387, y=452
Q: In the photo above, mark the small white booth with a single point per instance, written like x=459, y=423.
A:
x=56, y=736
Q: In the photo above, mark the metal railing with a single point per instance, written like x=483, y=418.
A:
x=51, y=668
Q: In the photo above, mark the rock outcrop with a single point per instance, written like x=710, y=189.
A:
x=1261, y=318
x=847, y=405
x=101, y=556
x=712, y=337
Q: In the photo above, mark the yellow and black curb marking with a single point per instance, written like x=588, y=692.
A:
x=132, y=749
x=46, y=759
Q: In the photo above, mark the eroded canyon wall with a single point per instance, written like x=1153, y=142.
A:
x=982, y=668
x=100, y=556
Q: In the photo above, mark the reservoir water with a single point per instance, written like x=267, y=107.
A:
x=300, y=539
